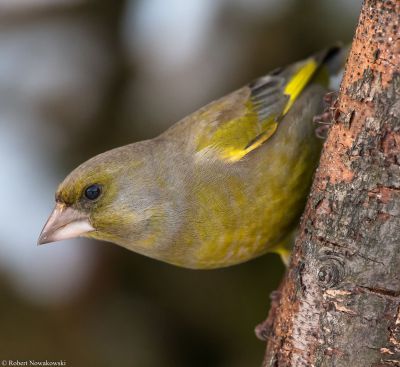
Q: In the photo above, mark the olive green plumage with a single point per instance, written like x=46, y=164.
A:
x=222, y=186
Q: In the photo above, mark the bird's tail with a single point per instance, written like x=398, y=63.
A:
x=334, y=61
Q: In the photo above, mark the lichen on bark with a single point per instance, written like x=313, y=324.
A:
x=340, y=300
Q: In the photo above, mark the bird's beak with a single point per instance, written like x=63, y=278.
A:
x=63, y=223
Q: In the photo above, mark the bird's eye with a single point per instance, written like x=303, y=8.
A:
x=92, y=192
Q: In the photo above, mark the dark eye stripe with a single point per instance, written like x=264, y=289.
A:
x=92, y=192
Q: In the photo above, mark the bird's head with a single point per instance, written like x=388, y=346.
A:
x=109, y=197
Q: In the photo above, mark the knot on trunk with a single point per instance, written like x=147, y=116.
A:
x=330, y=270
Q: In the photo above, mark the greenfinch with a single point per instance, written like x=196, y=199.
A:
x=222, y=186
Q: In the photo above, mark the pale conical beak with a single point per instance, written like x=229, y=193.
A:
x=63, y=223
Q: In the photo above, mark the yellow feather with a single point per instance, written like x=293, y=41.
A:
x=298, y=81
x=235, y=155
x=293, y=88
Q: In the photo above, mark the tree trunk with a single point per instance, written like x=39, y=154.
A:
x=339, y=303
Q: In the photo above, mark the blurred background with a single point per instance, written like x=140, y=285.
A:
x=78, y=77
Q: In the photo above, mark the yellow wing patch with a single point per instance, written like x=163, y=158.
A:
x=233, y=155
x=298, y=82
x=244, y=120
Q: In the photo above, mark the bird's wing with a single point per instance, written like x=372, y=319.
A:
x=243, y=120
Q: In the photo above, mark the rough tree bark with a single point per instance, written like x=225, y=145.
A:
x=340, y=299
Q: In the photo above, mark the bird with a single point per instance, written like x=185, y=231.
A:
x=222, y=186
